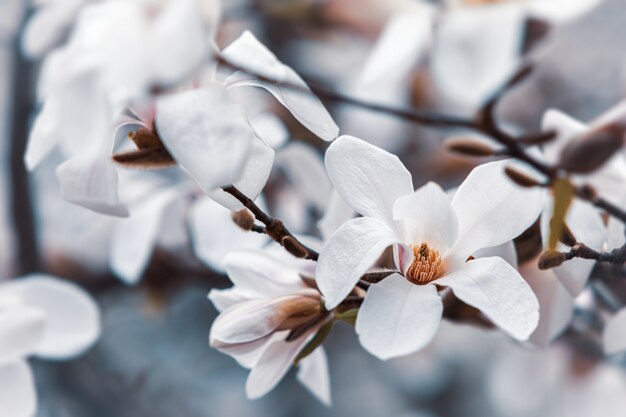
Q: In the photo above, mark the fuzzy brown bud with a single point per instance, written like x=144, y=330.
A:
x=469, y=147
x=551, y=259
x=520, y=178
x=243, y=218
x=591, y=151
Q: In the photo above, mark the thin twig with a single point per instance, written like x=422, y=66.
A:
x=274, y=228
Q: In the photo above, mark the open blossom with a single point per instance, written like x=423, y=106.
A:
x=432, y=240
x=267, y=318
x=44, y=317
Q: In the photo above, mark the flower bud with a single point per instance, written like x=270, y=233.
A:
x=551, y=259
x=244, y=219
x=469, y=147
x=520, y=178
x=589, y=152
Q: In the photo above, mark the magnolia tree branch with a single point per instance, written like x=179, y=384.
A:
x=274, y=228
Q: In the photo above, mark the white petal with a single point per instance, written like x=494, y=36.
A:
x=337, y=213
x=367, y=177
x=253, y=177
x=401, y=45
x=214, y=234
x=499, y=291
x=259, y=274
x=566, y=128
x=18, y=397
x=270, y=128
x=206, y=133
x=48, y=25
x=505, y=251
x=398, y=317
x=556, y=305
x=272, y=365
x=476, y=50
x=349, y=253
x=248, y=53
x=90, y=180
x=223, y=299
x=561, y=10
x=72, y=316
x=614, y=336
x=587, y=226
x=616, y=234
x=134, y=238
x=42, y=138
x=313, y=374
x=22, y=328
x=428, y=217
x=250, y=320
x=177, y=42
x=492, y=210
x=305, y=169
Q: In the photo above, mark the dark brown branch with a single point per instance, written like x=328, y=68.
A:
x=274, y=228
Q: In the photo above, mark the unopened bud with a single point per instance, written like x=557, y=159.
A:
x=144, y=138
x=294, y=247
x=148, y=158
x=551, y=259
x=520, y=178
x=587, y=192
x=589, y=152
x=469, y=147
x=244, y=219
x=567, y=237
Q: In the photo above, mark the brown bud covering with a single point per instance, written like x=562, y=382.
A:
x=294, y=247
x=567, y=237
x=144, y=138
x=551, y=259
x=243, y=218
x=469, y=147
x=539, y=138
x=154, y=158
x=589, y=152
x=520, y=178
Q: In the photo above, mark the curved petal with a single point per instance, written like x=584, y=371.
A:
x=367, y=177
x=273, y=364
x=270, y=128
x=22, y=328
x=614, y=336
x=205, y=125
x=349, y=253
x=492, y=210
x=398, y=317
x=214, y=234
x=428, y=216
x=90, y=180
x=313, y=374
x=18, y=397
x=337, y=213
x=616, y=234
x=556, y=305
x=223, y=299
x=505, y=251
x=261, y=275
x=476, y=50
x=499, y=291
x=253, y=177
x=305, y=169
x=250, y=54
x=402, y=44
x=134, y=238
x=72, y=316
x=561, y=10
x=252, y=320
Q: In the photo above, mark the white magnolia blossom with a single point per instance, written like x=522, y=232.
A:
x=44, y=317
x=268, y=301
x=432, y=240
x=474, y=46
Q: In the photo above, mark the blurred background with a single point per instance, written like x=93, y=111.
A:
x=154, y=360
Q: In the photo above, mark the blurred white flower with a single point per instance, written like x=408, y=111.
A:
x=474, y=46
x=44, y=317
x=432, y=241
x=267, y=318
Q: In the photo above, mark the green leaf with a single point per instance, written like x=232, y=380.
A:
x=348, y=316
x=563, y=196
x=317, y=340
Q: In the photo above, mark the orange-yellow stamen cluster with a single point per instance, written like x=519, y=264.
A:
x=427, y=265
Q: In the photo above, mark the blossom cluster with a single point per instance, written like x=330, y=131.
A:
x=157, y=125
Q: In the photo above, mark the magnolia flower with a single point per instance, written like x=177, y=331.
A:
x=267, y=318
x=432, y=240
x=44, y=317
x=474, y=45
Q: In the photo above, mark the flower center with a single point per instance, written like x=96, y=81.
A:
x=427, y=265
